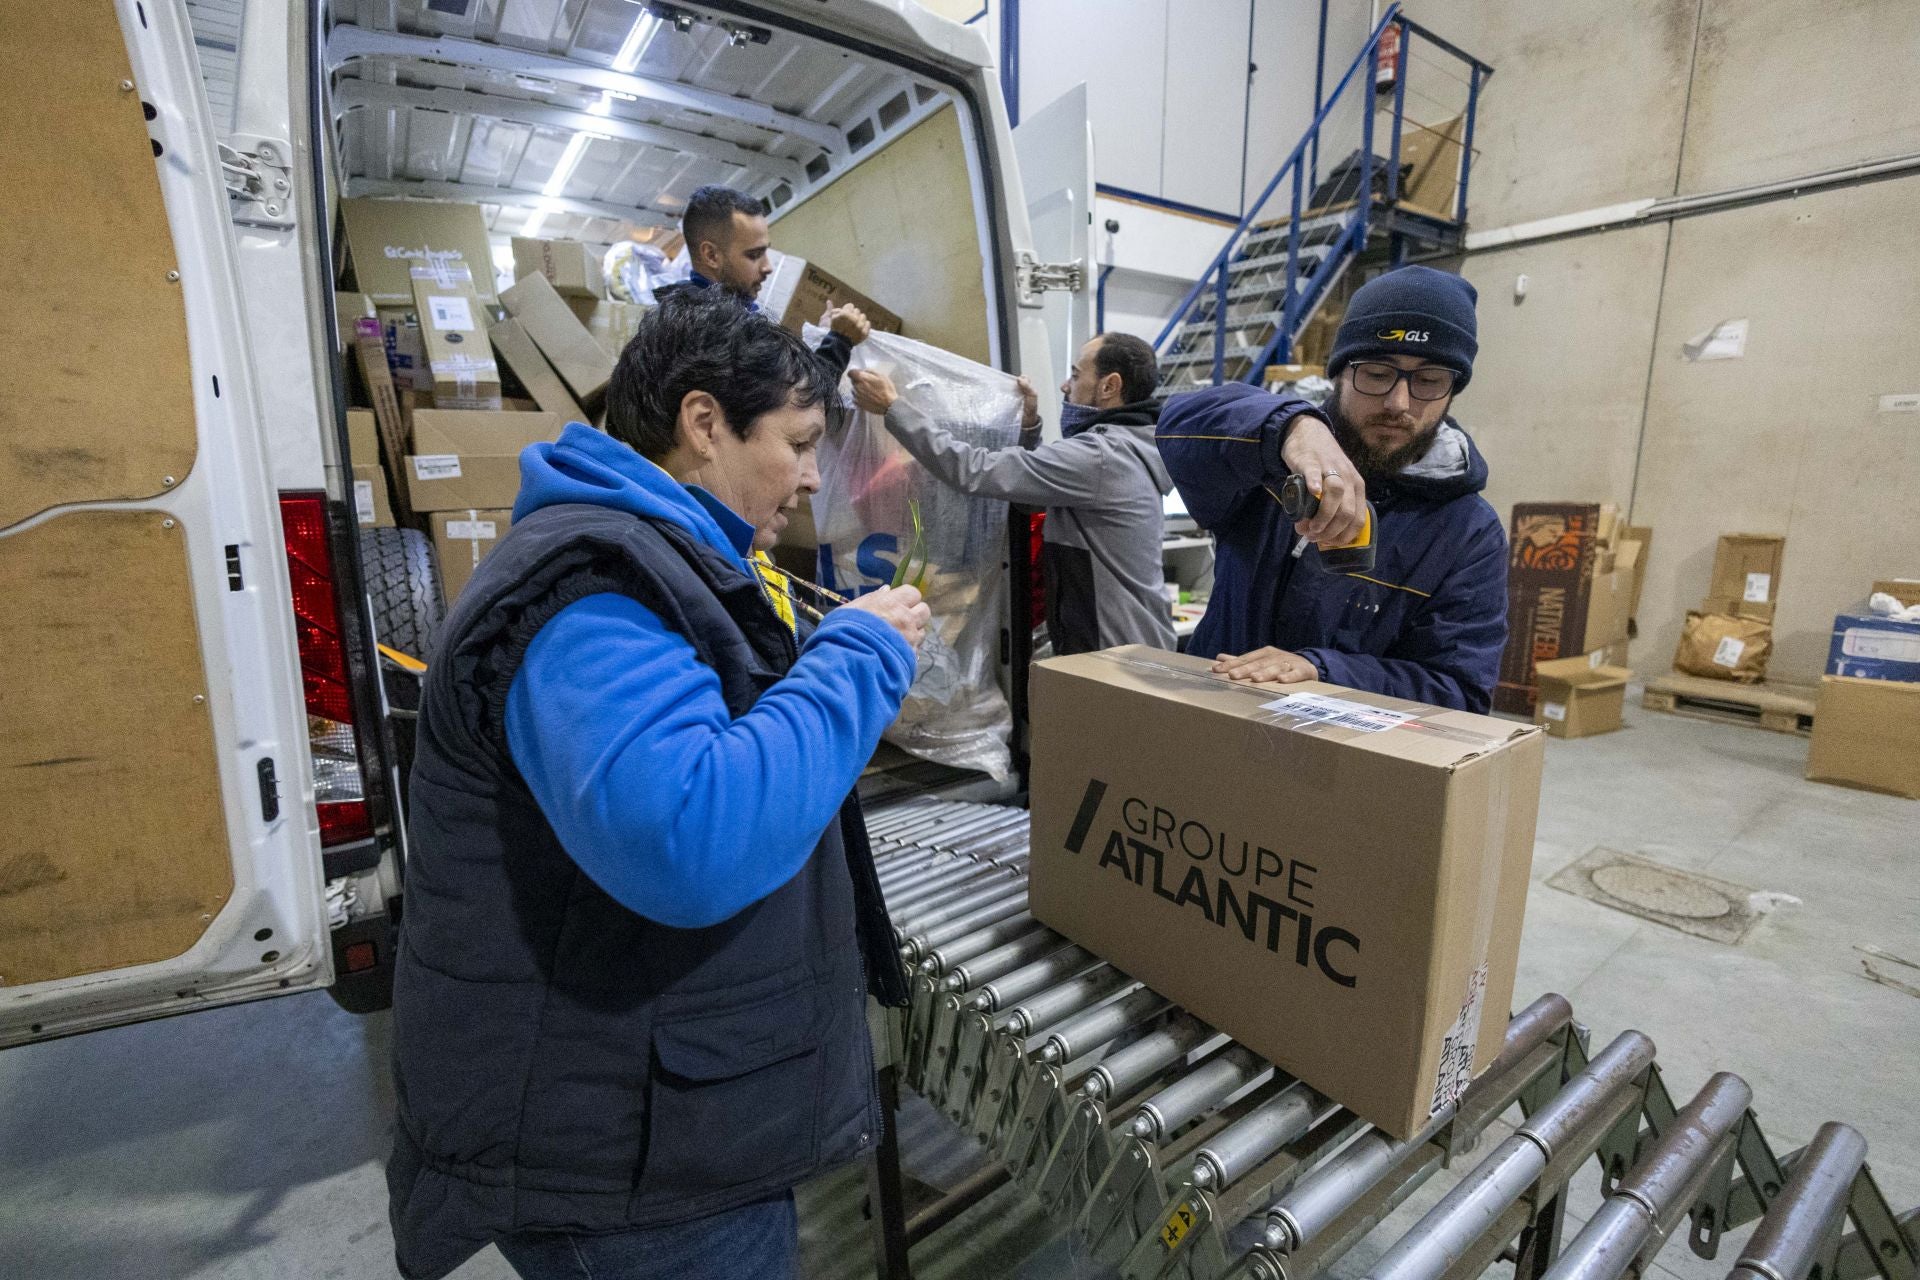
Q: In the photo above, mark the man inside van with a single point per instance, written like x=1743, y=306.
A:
x=1101, y=484
x=630, y=1002
x=1429, y=620
x=728, y=247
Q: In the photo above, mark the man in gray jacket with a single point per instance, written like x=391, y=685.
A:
x=1101, y=484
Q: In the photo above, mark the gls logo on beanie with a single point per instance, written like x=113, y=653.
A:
x=1403, y=335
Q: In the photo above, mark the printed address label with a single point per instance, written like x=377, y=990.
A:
x=1342, y=712
x=436, y=466
x=1554, y=710
x=450, y=312
x=1727, y=652
x=363, y=501
x=1759, y=587
x=472, y=530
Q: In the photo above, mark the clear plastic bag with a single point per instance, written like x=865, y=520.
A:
x=955, y=713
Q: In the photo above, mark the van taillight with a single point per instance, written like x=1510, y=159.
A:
x=338, y=788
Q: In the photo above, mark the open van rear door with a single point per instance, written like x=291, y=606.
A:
x=1054, y=148
x=159, y=848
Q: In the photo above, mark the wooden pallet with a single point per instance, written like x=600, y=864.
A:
x=1783, y=708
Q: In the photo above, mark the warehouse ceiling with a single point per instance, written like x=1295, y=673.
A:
x=597, y=118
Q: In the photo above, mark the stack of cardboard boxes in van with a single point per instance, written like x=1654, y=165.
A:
x=1574, y=576
x=457, y=377
x=455, y=389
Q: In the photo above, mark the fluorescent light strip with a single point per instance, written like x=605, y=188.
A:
x=634, y=47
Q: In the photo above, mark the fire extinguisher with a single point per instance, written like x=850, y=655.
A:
x=1390, y=54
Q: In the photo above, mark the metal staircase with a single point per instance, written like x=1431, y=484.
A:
x=1282, y=262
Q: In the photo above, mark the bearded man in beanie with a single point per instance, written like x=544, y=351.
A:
x=1429, y=620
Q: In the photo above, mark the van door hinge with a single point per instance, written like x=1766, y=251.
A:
x=259, y=180
x=1032, y=278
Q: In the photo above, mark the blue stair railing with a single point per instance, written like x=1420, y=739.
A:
x=1279, y=293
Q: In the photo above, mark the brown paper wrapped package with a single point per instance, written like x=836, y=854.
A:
x=1720, y=647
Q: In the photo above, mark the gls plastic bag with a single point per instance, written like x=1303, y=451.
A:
x=955, y=713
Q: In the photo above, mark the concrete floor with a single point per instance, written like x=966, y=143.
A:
x=248, y=1142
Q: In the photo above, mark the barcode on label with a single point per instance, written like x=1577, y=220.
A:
x=1727, y=652
x=363, y=500
x=472, y=530
x=1456, y=1048
x=436, y=466
x=1759, y=586
x=450, y=312
x=1595, y=658
x=1340, y=712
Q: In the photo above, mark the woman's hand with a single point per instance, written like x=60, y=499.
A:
x=899, y=607
x=872, y=392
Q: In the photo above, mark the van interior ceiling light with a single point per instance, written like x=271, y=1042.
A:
x=632, y=50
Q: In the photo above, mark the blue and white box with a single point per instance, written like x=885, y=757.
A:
x=1868, y=645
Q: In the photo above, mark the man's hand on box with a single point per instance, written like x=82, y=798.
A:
x=850, y=322
x=1266, y=664
x=872, y=392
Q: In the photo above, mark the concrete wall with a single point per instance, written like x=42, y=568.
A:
x=1583, y=390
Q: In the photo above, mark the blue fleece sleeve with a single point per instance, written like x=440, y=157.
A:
x=1450, y=655
x=1222, y=448
x=680, y=812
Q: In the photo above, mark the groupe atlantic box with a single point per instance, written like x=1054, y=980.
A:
x=1334, y=878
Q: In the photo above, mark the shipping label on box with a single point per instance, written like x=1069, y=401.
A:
x=1226, y=845
x=1552, y=554
x=370, y=503
x=462, y=539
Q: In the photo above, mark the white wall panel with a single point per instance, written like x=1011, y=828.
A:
x=1206, y=103
x=1284, y=42
x=1117, y=48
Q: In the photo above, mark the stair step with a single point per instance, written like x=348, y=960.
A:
x=1257, y=319
x=1271, y=261
x=1313, y=231
x=1205, y=356
x=1239, y=293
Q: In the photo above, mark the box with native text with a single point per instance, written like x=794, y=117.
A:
x=1334, y=878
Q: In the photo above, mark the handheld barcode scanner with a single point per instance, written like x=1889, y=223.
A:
x=1300, y=503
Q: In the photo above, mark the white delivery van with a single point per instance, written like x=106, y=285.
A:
x=201, y=796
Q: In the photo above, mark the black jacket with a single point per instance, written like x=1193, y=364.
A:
x=562, y=1063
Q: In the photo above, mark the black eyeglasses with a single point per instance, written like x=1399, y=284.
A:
x=1429, y=382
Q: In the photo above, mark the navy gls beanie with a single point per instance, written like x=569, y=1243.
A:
x=1414, y=311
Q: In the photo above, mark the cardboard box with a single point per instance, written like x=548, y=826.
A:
x=1866, y=733
x=1873, y=647
x=386, y=239
x=462, y=539
x=1609, y=607
x=1746, y=566
x=370, y=500
x=1552, y=555
x=798, y=292
x=1226, y=844
x=348, y=310
x=468, y=458
x=1905, y=590
x=396, y=431
x=582, y=363
x=611, y=323
x=453, y=330
x=570, y=267
x=1643, y=535
x=523, y=359
x=1579, y=698
x=363, y=437
x=1719, y=646
x=1735, y=607
x=1614, y=655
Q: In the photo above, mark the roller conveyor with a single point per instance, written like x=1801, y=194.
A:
x=1152, y=1137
